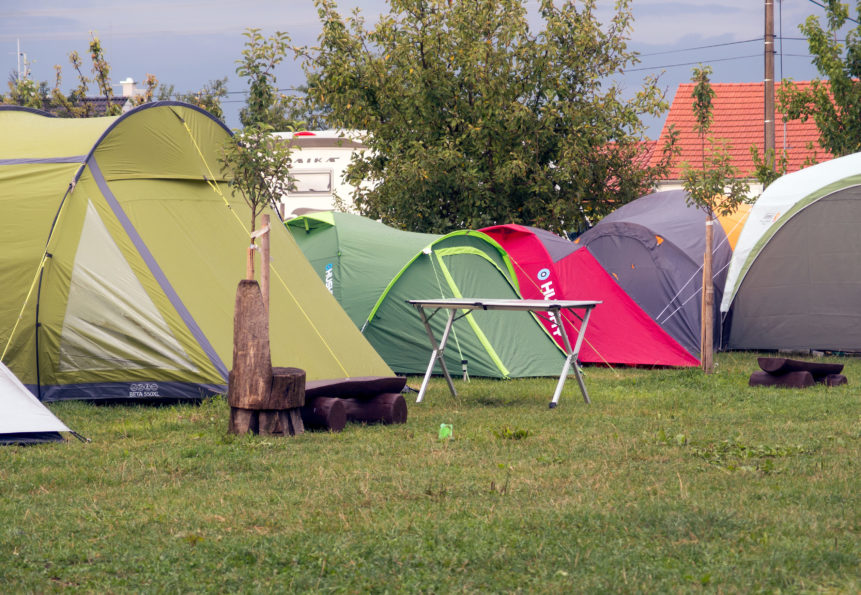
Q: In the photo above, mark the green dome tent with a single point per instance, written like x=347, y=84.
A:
x=122, y=251
x=494, y=344
x=356, y=257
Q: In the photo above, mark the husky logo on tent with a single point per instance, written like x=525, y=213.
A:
x=330, y=278
x=543, y=274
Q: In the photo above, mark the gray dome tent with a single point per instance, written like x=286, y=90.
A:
x=795, y=278
x=654, y=248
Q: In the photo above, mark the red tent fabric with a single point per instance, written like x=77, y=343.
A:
x=619, y=332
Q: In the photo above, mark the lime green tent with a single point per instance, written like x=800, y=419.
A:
x=122, y=251
x=356, y=257
x=494, y=344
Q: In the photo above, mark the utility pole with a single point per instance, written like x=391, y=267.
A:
x=769, y=78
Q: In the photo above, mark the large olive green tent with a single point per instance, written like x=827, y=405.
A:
x=355, y=256
x=494, y=344
x=122, y=250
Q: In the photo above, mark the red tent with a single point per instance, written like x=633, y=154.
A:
x=620, y=332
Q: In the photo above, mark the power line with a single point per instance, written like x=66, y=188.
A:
x=700, y=47
x=692, y=63
x=820, y=5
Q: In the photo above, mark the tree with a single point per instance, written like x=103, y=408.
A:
x=209, y=97
x=26, y=92
x=717, y=189
x=835, y=103
x=256, y=164
x=768, y=168
x=474, y=119
x=265, y=103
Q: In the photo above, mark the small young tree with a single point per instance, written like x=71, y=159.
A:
x=256, y=163
x=714, y=188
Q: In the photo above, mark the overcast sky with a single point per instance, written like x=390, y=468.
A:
x=189, y=43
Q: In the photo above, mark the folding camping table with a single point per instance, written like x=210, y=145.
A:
x=460, y=307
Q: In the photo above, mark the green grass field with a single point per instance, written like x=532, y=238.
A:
x=670, y=482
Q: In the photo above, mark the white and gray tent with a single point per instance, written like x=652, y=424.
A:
x=794, y=281
x=23, y=418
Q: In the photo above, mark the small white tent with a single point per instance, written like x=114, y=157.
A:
x=23, y=418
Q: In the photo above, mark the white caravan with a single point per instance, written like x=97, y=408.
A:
x=319, y=162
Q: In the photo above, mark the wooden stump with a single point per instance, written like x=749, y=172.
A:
x=325, y=413
x=387, y=408
x=262, y=399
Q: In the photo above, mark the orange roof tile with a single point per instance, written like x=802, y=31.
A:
x=737, y=117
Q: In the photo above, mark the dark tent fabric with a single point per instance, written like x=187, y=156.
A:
x=619, y=332
x=654, y=248
x=803, y=289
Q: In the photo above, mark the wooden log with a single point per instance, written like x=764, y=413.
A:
x=250, y=380
x=800, y=379
x=357, y=387
x=782, y=365
x=279, y=422
x=243, y=421
x=386, y=408
x=835, y=380
x=287, y=390
x=294, y=418
x=324, y=413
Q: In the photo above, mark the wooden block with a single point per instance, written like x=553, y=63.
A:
x=272, y=423
x=242, y=421
x=324, y=413
x=357, y=387
x=800, y=379
x=835, y=380
x=387, y=408
x=782, y=365
x=250, y=380
x=294, y=418
x=287, y=390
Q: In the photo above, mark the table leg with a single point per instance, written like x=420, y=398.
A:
x=437, y=354
x=571, y=358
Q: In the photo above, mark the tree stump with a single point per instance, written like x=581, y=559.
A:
x=262, y=399
x=386, y=408
x=324, y=413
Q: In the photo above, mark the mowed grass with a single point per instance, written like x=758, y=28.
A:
x=671, y=481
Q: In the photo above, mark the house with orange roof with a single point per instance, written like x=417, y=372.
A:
x=737, y=118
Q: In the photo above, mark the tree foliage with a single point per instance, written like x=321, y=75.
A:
x=717, y=187
x=209, y=97
x=265, y=103
x=256, y=164
x=26, y=92
x=834, y=103
x=474, y=119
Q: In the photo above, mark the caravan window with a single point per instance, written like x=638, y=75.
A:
x=311, y=182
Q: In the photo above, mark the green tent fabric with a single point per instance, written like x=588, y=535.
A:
x=494, y=344
x=122, y=251
x=356, y=257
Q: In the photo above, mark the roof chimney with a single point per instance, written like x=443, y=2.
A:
x=128, y=87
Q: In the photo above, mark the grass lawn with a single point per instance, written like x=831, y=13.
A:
x=670, y=482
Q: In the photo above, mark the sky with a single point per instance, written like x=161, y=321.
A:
x=189, y=43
